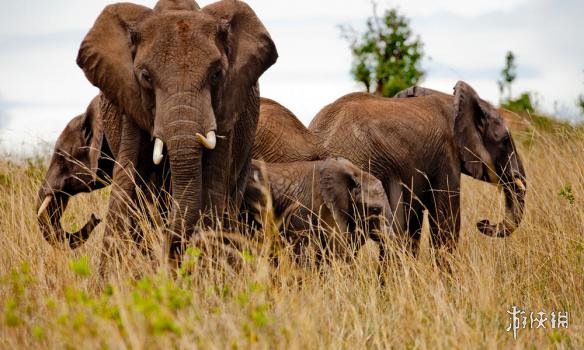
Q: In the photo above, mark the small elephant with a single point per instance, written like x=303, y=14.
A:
x=326, y=200
x=80, y=163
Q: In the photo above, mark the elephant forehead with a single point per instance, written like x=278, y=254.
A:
x=193, y=29
x=373, y=187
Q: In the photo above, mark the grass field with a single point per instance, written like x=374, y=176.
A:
x=53, y=298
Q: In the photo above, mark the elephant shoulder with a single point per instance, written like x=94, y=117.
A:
x=346, y=107
x=273, y=112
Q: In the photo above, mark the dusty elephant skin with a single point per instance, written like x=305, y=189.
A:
x=426, y=142
x=80, y=162
x=83, y=161
x=183, y=75
x=333, y=195
x=281, y=137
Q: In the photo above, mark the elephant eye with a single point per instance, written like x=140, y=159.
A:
x=505, y=140
x=216, y=76
x=375, y=210
x=146, y=78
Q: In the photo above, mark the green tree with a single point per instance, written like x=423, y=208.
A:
x=386, y=57
x=508, y=75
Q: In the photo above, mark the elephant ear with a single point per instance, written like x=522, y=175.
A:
x=250, y=52
x=176, y=5
x=93, y=135
x=339, y=185
x=106, y=58
x=470, y=122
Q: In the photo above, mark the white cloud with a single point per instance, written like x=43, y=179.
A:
x=465, y=39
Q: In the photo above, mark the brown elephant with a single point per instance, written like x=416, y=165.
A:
x=326, y=200
x=281, y=137
x=425, y=143
x=179, y=75
x=83, y=161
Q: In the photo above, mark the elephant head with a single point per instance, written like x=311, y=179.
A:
x=74, y=168
x=183, y=75
x=352, y=195
x=488, y=153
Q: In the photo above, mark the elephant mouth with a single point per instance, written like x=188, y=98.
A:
x=49, y=214
x=519, y=182
x=208, y=142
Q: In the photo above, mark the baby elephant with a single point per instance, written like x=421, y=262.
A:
x=323, y=200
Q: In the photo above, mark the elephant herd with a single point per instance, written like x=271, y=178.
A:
x=179, y=113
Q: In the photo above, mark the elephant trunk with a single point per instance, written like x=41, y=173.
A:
x=185, y=124
x=514, y=191
x=50, y=210
x=186, y=181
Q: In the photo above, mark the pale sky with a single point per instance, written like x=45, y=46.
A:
x=41, y=87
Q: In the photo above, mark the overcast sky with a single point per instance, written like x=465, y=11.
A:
x=41, y=87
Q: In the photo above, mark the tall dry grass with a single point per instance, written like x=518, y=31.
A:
x=52, y=298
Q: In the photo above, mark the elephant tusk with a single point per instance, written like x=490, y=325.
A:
x=210, y=142
x=157, y=155
x=44, y=205
x=520, y=184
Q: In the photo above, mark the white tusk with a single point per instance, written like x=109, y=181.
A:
x=520, y=184
x=157, y=155
x=210, y=141
x=44, y=205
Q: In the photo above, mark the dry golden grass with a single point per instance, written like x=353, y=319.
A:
x=51, y=298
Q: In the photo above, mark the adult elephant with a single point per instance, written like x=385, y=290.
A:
x=281, y=137
x=425, y=143
x=81, y=162
x=182, y=75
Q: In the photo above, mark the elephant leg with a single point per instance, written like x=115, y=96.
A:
x=444, y=218
x=396, y=219
x=414, y=216
x=122, y=193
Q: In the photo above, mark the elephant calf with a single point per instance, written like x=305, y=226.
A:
x=326, y=200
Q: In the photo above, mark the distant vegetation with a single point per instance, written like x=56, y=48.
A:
x=524, y=105
x=387, y=56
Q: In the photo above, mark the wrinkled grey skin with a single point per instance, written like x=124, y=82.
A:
x=333, y=195
x=426, y=143
x=173, y=72
x=83, y=161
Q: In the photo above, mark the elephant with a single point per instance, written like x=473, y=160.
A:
x=425, y=143
x=326, y=200
x=83, y=161
x=185, y=82
x=281, y=137
x=80, y=162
